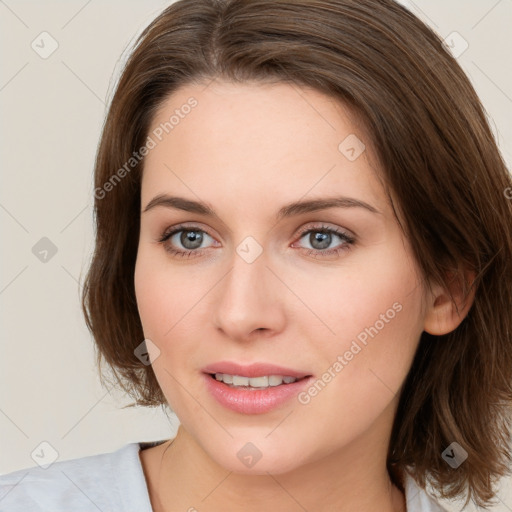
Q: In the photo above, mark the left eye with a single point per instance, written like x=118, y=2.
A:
x=320, y=240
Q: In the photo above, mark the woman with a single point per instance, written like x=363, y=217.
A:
x=303, y=248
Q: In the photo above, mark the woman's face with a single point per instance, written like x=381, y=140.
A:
x=280, y=249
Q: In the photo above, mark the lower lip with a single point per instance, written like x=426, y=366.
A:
x=253, y=401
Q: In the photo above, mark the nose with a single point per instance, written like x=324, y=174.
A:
x=250, y=301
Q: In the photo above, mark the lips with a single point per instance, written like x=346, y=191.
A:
x=258, y=400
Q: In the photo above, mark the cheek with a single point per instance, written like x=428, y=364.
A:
x=168, y=305
x=164, y=300
x=173, y=303
x=372, y=319
x=365, y=364
x=366, y=289
x=161, y=295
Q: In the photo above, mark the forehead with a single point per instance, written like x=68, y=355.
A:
x=247, y=140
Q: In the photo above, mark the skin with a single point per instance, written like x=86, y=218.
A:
x=247, y=150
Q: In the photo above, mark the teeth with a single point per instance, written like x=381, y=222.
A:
x=275, y=380
x=254, y=382
x=240, y=381
x=258, y=382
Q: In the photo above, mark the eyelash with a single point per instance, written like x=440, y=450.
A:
x=348, y=241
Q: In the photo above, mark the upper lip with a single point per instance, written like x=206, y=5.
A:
x=253, y=370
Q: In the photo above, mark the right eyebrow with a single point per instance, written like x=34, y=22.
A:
x=180, y=203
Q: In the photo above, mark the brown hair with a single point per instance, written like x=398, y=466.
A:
x=440, y=162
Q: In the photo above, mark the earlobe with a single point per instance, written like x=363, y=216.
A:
x=448, y=306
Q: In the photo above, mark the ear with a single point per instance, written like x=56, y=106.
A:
x=448, y=306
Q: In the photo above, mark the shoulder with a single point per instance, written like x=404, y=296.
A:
x=108, y=481
x=417, y=499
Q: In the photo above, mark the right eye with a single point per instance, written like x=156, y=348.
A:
x=185, y=241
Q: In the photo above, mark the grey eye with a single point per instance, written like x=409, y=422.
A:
x=320, y=240
x=189, y=239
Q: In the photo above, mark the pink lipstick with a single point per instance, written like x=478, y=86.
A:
x=253, y=389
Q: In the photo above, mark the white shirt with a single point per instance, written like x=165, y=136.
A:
x=112, y=482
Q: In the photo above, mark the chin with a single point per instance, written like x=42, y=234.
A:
x=258, y=458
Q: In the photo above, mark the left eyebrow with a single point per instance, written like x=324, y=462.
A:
x=295, y=208
x=313, y=205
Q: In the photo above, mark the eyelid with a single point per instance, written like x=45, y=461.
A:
x=168, y=232
x=322, y=226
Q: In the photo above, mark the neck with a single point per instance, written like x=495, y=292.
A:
x=184, y=477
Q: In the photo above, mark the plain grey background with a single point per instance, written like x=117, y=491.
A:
x=60, y=60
